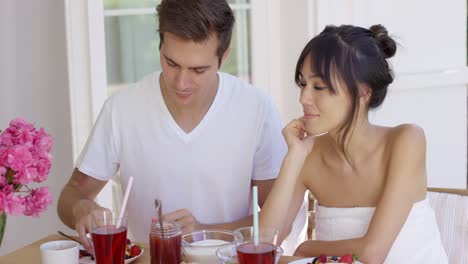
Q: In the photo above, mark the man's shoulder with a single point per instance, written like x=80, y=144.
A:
x=241, y=89
x=134, y=91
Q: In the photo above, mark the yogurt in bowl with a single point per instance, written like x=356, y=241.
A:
x=201, y=246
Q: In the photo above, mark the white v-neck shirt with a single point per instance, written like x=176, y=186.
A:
x=207, y=171
x=172, y=124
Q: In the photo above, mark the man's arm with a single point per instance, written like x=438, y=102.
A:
x=76, y=201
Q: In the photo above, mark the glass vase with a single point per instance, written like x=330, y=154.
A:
x=3, y=217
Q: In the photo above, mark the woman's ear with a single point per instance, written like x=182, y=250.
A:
x=365, y=93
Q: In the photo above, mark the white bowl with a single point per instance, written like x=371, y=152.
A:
x=201, y=246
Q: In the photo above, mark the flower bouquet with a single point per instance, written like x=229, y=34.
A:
x=24, y=159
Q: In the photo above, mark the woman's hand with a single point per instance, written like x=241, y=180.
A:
x=297, y=138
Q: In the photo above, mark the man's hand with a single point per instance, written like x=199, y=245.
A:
x=76, y=201
x=81, y=212
x=184, y=218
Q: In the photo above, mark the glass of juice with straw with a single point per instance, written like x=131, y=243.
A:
x=264, y=252
x=258, y=244
x=109, y=236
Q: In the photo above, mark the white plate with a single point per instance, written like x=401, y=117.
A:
x=302, y=261
x=87, y=260
x=309, y=260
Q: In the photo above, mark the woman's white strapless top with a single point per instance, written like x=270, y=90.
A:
x=418, y=241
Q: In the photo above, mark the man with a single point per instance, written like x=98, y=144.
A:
x=190, y=136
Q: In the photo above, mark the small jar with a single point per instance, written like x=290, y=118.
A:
x=165, y=247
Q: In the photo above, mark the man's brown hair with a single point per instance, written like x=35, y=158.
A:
x=196, y=20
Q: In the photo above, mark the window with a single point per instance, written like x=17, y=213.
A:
x=132, y=41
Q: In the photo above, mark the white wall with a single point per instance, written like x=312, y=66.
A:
x=430, y=66
x=430, y=89
x=34, y=85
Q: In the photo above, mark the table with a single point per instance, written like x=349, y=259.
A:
x=31, y=254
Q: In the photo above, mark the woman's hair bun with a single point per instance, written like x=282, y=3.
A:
x=386, y=43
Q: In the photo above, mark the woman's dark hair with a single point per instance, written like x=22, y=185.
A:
x=196, y=20
x=353, y=55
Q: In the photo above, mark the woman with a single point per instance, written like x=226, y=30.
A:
x=369, y=181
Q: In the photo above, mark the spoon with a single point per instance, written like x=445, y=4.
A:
x=69, y=237
x=158, y=204
x=320, y=134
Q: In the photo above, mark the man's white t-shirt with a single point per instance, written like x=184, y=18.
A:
x=207, y=171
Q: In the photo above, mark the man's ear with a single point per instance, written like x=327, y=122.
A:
x=225, y=56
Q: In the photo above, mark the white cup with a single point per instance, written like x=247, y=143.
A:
x=60, y=252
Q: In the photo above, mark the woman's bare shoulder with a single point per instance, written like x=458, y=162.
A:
x=407, y=141
x=407, y=161
x=406, y=135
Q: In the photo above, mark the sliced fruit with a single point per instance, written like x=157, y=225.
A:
x=135, y=251
x=348, y=258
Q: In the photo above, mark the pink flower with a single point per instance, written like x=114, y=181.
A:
x=3, y=155
x=21, y=132
x=19, y=157
x=3, y=182
x=24, y=158
x=9, y=203
x=3, y=179
x=42, y=142
x=37, y=201
x=6, y=139
x=42, y=168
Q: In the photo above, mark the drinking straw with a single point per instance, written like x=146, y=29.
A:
x=124, y=203
x=255, y=214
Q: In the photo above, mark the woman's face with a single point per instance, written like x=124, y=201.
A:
x=324, y=111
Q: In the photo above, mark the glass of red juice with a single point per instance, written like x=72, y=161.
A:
x=109, y=237
x=265, y=252
x=165, y=243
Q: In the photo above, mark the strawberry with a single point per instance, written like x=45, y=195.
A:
x=135, y=251
x=348, y=258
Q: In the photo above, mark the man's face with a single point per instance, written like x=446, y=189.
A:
x=189, y=69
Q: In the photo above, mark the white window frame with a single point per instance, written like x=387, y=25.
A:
x=86, y=66
x=266, y=44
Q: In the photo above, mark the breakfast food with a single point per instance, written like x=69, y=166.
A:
x=131, y=250
x=204, y=251
x=324, y=259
